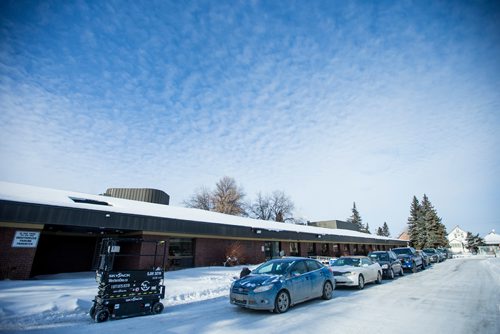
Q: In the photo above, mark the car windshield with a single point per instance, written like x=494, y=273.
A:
x=379, y=256
x=400, y=251
x=273, y=268
x=429, y=250
x=347, y=261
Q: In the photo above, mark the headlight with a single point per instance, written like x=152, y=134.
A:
x=385, y=266
x=263, y=288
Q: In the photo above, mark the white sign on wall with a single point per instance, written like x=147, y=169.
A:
x=25, y=239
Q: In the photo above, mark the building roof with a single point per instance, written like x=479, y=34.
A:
x=492, y=238
x=105, y=206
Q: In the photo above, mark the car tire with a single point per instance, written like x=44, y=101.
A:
x=379, y=278
x=391, y=274
x=327, y=290
x=361, y=282
x=401, y=272
x=282, y=302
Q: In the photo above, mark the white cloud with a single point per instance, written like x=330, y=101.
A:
x=331, y=109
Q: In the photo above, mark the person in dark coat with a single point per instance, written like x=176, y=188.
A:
x=244, y=272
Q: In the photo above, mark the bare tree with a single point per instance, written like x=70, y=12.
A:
x=201, y=199
x=277, y=207
x=228, y=197
x=261, y=208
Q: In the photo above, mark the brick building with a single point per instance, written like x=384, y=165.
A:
x=46, y=231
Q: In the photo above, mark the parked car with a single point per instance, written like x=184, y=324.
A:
x=435, y=258
x=356, y=271
x=446, y=251
x=425, y=257
x=409, y=258
x=441, y=254
x=389, y=263
x=281, y=283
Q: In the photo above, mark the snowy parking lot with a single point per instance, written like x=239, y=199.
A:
x=456, y=296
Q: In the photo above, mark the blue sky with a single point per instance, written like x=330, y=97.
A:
x=330, y=101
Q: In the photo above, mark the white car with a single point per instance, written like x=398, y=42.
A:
x=356, y=271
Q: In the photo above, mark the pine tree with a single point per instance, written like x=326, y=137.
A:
x=380, y=231
x=434, y=233
x=385, y=230
x=473, y=242
x=367, y=229
x=356, y=218
x=414, y=222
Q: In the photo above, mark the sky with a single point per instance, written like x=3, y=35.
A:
x=331, y=102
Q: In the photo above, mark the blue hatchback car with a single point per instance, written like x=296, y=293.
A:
x=278, y=284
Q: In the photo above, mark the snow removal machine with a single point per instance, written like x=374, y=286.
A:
x=123, y=292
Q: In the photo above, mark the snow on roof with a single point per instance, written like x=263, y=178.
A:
x=47, y=196
x=492, y=238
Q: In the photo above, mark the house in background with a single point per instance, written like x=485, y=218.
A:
x=404, y=235
x=457, y=239
x=492, y=239
x=491, y=244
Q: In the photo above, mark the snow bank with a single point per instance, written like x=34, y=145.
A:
x=456, y=296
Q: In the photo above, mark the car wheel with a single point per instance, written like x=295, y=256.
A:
x=361, y=282
x=379, y=278
x=282, y=302
x=391, y=273
x=101, y=316
x=401, y=272
x=327, y=291
x=157, y=308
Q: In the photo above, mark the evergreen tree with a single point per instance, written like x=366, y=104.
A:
x=385, y=230
x=433, y=232
x=424, y=225
x=414, y=222
x=473, y=242
x=356, y=218
x=380, y=231
x=367, y=229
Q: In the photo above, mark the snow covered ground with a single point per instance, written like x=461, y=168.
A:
x=457, y=296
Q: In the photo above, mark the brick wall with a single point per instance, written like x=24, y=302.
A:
x=15, y=263
x=212, y=252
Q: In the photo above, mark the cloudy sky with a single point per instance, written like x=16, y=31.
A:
x=332, y=102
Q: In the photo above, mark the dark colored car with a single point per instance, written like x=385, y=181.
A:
x=446, y=251
x=425, y=257
x=436, y=256
x=409, y=258
x=278, y=284
x=389, y=262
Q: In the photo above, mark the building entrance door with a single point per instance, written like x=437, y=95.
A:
x=272, y=249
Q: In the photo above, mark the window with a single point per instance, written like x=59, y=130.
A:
x=180, y=253
x=294, y=249
x=313, y=265
x=299, y=268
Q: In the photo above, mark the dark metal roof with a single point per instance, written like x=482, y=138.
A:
x=22, y=212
